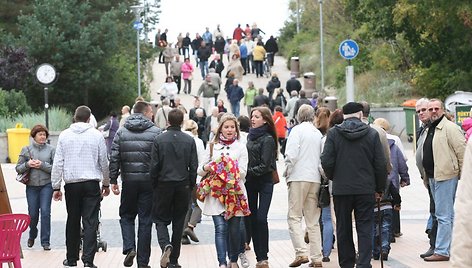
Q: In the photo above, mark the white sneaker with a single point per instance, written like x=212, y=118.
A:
x=244, y=260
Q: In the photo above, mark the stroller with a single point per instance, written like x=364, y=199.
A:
x=100, y=243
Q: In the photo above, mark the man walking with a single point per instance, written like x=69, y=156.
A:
x=174, y=164
x=443, y=153
x=203, y=54
x=208, y=90
x=349, y=146
x=81, y=161
x=302, y=158
x=131, y=156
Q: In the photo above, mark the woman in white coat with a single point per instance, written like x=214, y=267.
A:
x=224, y=190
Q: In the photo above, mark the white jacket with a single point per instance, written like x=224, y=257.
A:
x=302, y=153
x=81, y=155
x=237, y=151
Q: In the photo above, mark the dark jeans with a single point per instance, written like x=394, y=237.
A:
x=177, y=80
x=259, y=198
x=362, y=205
x=434, y=229
x=39, y=200
x=82, y=202
x=136, y=199
x=244, y=64
x=259, y=70
x=170, y=206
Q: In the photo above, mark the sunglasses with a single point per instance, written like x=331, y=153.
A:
x=433, y=109
x=422, y=110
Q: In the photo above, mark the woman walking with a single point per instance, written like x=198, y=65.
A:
x=224, y=190
x=262, y=150
x=259, y=55
x=169, y=90
x=187, y=70
x=37, y=159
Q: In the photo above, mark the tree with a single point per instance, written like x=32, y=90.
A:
x=15, y=68
x=84, y=41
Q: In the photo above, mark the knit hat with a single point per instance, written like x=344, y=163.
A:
x=352, y=108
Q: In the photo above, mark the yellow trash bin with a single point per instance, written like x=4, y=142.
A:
x=18, y=137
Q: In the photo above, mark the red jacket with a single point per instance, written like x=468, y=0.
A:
x=238, y=33
x=280, y=124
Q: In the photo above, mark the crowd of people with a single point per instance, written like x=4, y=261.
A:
x=175, y=164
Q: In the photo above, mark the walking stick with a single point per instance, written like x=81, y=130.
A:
x=380, y=232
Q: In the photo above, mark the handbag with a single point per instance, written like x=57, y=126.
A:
x=200, y=197
x=190, y=77
x=324, y=197
x=24, y=177
x=275, y=176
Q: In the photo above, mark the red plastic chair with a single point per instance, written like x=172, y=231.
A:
x=11, y=228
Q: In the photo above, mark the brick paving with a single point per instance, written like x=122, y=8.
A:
x=405, y=252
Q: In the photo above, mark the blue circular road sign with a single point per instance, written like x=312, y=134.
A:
x=348, y=49
x=137, y=25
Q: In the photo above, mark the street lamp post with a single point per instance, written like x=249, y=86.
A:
x=298, y=16
x=138, y=26
x=321, y=45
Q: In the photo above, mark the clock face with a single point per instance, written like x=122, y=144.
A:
x=46, y=74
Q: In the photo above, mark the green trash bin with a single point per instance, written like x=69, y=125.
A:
x=411, y=119
x=18, y=137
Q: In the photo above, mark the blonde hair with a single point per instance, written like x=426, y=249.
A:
x=190, y=125
x=224, y=118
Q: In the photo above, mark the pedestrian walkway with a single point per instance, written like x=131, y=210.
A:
x=405, y=252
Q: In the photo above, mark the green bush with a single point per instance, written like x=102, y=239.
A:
x=59, y=119
x=13, y=103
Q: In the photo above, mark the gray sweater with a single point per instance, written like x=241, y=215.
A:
x=43, y=152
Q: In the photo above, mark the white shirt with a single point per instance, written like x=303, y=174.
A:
x=169, y=90
x=81, y=155
x=236, y=151
x=399, y=143
x=302, y=153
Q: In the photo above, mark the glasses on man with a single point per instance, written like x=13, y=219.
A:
x=433, y=109
x=422, y=110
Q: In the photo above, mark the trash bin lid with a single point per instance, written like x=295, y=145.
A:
x=330, y=98
x=18, y=130
x=309, y=74
x=409, y=103
x=294, y=58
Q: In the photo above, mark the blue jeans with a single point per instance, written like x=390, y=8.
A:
x=227, y=238
x=259, y=194
x=39, y=199
x=386, y=219
x=444, y=193
x=204, y=68
x=328, y=231
x=235, y=107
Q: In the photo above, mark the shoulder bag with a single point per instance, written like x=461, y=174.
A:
x=24, y=177
x=324, y=197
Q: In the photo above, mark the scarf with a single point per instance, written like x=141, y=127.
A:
x=226, y=141
x=255, y=133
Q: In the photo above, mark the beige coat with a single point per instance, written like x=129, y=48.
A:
x=448, y=150
x=236, y=67
x=461, y=245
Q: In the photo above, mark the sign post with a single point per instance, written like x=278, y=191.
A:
x=349, y=50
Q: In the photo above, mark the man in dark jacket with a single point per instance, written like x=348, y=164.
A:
x=186, y=42
x=293, y=84
x=131, y=154
x=173, y=174
x=203, y=54
x=354, y=160
x=261, y=99
x=302, y=100
x=271, y=47
x=235, y=94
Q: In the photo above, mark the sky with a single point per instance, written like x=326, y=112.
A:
x=194, y=15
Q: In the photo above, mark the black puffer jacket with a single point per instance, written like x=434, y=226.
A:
x=273, y=84
x=261, y=152
x=354, y=159
x=131, y=149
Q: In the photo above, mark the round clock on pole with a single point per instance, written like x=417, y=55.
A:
x=46, y=74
